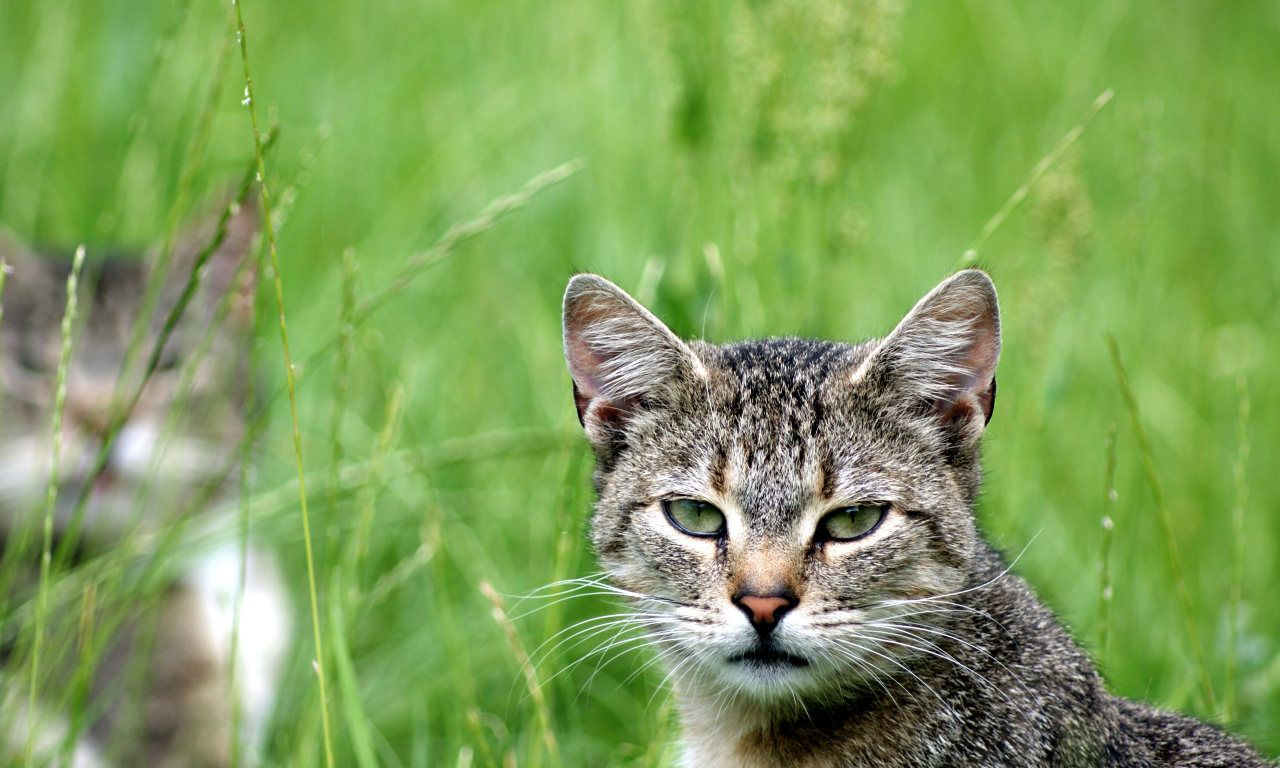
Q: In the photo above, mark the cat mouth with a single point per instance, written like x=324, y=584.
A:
x=766, y=657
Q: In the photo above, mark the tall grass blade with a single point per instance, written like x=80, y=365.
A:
x=1166, y=527
x=242, y=522
x=348, y=685
x=368, y=495
x=463, y=232
x=1104, y=560
x=341, y=386
x=1237, y=548
x=35, y=108
x=121, y=415
x=191, y=166
x=971, y=255
x=293, y=400
x=51, y=492
x=546, y=735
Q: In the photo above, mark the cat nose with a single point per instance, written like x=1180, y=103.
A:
x=764, y=612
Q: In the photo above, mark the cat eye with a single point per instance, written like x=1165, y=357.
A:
x=696, y=518
x=849, y=523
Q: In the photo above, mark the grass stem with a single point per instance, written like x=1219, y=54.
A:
x=971, y=255
x=51, y=491
x=547, y=735
x=288, y=366
x=1237, y=548
x=1166, y=526
x=1104, y=561
x=120, y=416
x=341, y=386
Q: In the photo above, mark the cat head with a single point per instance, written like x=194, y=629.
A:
x=774, y=507
x=177, y=435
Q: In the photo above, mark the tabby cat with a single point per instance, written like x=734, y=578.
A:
x=793, y=520
x=158, y=693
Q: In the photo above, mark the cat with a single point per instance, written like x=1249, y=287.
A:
x=792, y=521
x=160, y=695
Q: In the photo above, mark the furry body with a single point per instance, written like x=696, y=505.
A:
x=790, y=640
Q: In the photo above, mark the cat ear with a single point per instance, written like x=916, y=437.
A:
x=621, y=357
x=944, y=352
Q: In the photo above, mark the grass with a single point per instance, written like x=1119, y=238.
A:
x=819, y=195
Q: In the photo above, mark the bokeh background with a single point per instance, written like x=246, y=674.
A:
x=753, y=167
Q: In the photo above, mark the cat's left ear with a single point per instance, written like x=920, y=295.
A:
x=623, y=359
x=943, y=354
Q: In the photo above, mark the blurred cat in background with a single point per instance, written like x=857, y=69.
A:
x=158, y=691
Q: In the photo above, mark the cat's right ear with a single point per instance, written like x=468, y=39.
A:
x=621, y=357
x=943, y=355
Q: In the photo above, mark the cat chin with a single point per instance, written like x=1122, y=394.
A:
x=766, y=682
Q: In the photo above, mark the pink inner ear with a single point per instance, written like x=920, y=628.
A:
x=584, y=365
x=587, y=365
x=971, y=390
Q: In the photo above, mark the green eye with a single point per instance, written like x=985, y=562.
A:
x=696, y=518
x=849, y=523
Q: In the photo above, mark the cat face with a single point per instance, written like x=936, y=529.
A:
x=788, y=516
x=176, y=437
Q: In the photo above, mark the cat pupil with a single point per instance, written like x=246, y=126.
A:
x=697, y=518
x=852, y=522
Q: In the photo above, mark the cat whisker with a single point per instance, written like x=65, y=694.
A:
x=845, y=642
x=596, y=624
x=958, y=639
x=611, y=645
x=934, y=650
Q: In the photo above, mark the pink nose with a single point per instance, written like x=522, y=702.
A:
x=764, y=610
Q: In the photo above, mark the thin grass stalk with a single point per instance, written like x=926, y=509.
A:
x=160, y=53
x=1237, y=549
x=971, y=255
x=458, y=234
x=1104, y=559
x=195, y=151
x=459, y=655
x=348, y=684
x=178, y=210
x=293, y=400
x=121, y=415
x=546, y=735
x=121, y=555
x=463, y=232
x=567, y=543
x=1166, y=526
x=341, y=386
x=659, y=752
x=4, y=273
x=369, y=492
x=246, y=489
x=51, y=492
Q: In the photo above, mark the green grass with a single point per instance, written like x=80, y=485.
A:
x=755, y=172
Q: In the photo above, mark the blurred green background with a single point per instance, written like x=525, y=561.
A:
x=754, y=167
